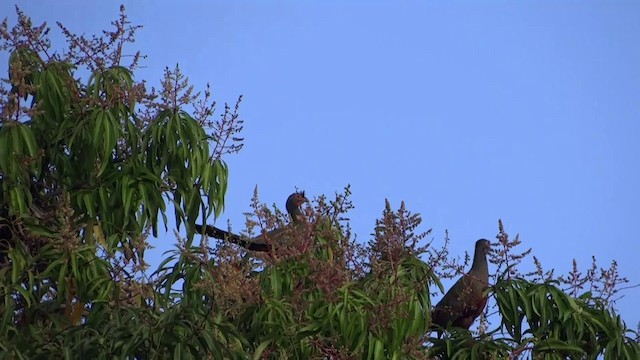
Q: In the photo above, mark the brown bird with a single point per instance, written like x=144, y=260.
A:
x=466, y=299
x=260, y=242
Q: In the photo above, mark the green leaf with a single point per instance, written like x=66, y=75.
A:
x=257, y=354
x=25, y=295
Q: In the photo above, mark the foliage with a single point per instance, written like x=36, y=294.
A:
x=89, y=168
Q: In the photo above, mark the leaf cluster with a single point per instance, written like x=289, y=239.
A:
x=91, y=162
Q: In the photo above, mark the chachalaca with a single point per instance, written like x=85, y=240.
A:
x=466, y=299
x=260, y=242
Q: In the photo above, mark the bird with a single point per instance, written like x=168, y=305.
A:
x=466, y=299
x=261, y=242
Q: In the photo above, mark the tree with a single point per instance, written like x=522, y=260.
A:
x=91, y=165
x=87, y=168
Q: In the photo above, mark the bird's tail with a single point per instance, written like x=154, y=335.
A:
x=217, y=233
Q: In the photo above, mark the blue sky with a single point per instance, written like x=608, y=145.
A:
x=469, y=111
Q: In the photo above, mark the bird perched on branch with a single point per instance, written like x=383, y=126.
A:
x=466, y=299
x=260, y=242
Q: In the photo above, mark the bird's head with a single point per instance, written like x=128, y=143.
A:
x=295, y=200
x=483, y=246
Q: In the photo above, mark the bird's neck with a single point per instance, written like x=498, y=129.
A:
x=295, y=213
x=480, y=266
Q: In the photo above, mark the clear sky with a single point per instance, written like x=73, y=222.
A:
x=469, y=111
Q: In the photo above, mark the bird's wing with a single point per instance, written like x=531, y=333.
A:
x=462, y=304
